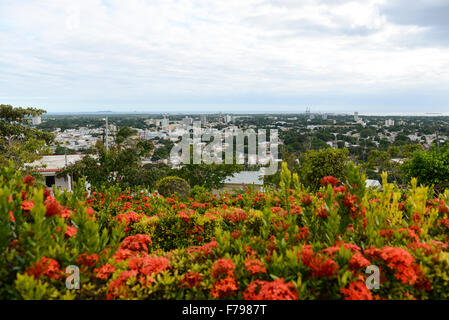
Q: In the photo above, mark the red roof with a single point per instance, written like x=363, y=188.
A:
x=48, y=170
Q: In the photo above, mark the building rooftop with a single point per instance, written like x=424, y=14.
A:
x=373, y=184
x=245, y=177
x=56, y=162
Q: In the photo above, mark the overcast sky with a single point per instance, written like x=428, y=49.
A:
x=370, y=56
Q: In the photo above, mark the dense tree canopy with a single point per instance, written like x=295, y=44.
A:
x=121, y=164
x=19, y=141
x=429, y=167
x=326, y=162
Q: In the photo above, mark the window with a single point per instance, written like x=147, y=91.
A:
x=50, y=181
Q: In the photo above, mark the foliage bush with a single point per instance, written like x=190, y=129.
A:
x=321, y=163
x=288, y=243
x=172, y=185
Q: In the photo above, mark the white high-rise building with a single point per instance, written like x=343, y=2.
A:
x=164, y=124
x=187, y=121
x=389, y=122
x=356, y=116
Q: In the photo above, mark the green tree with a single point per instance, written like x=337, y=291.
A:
x=173, y=185
x=210, y=176
x=121, y=164
x=19, y=141
x=429, y=167
x=326, y=162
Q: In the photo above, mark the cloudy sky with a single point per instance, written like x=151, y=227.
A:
x=371, y=56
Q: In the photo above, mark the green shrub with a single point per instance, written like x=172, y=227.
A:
x=198, y=192
x=170, y=231
x=173, y=185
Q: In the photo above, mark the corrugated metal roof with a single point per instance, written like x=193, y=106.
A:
x=373, y=183
x=245, y=177
x=56, y=162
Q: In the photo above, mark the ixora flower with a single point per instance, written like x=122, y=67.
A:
x=104, y=271
x=138, y=242
x=402, y=262
x=70, y=231
x=270, y=290
x=222, y=267
x=206, y=249
x=224, y=287
x=322, y=212
x=306, y=199
x=28, y=180
x=191, y=280
x=255, y=266
x=318, y=264
x=46, y=266
x=357, y=291
x=11, y=216
x=52, y=207
x=129, y=217
x=88, y=260
x=329, y=180
x=27, y=205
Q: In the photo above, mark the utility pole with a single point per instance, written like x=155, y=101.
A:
x=106, y=135
x=437, y=133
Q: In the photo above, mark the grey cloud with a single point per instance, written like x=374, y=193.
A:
x=432, y=15
x=418, y=12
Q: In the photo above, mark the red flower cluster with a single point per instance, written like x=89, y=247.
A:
x=53, y=208
x=143, y=269
x=357, y=290
x=329, y=180
x=87, y=260
x=46, y=266
x=129, y=217
x=306, y=200
x=303, y=234
x=255, y=266
x=348, y=246
x=222, y=267
x=104, y=271
x=185, y=214
x=191, y=280
x=27, y=205
x=70, y=231
x=205, y=249
x=318, y=264
x=28, y=180
x=148, y=265
x=235, y=215
x=270, y=290
x=224, y=287
x=11, y=216
x=399, y=260
x=408, y=232
x=402, y=261
x=138, y=242
x=358, y=261
x=322, y=212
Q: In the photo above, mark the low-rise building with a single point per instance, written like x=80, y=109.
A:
x=49, y=166
x=243, y=179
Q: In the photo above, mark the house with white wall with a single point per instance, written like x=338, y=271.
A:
x=49, y=166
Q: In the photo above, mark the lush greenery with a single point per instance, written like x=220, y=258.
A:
x=18, y=140
x=173, y=186
x=321, y=163
x=429, y=167
x=284, y=244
